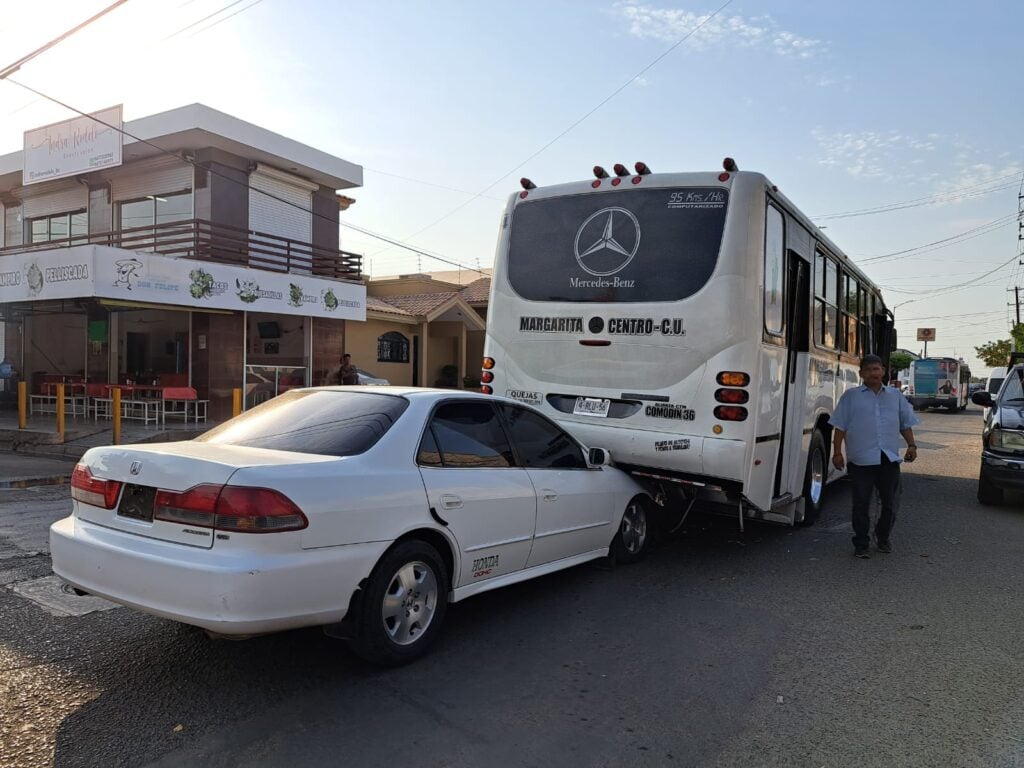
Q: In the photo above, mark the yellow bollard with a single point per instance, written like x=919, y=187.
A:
x=115, y=405
x=236, y=401
x=60, y=412
x=22, y=405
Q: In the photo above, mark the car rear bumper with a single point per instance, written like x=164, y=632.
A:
x=1003, y=472
x=228, y=592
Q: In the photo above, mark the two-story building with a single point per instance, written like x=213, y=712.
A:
x=209, y=257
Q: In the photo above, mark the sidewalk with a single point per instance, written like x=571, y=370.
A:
x=18, y=469
x=40, y=439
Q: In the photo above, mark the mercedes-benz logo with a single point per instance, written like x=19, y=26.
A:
x=135, y=468
x=607, y=241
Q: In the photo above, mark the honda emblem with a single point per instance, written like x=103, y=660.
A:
x=136, y=467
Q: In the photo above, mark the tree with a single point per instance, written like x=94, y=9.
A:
x=900, y=361
x=995, y=353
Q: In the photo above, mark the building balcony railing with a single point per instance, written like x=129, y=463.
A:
x=206, y=241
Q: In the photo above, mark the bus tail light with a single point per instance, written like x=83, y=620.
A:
x=732, y=396
x=486, y=389
x=488, y=363
x=731, y=413
x=486, y=377
x=733, y=378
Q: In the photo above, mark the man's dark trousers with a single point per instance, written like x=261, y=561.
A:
x=866, y=477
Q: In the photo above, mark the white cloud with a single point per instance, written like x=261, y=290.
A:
x=672, y=24
x=954, y=168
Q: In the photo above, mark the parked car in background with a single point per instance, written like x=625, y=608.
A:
x=368, y=379
x=992, y=385
x=366, y=510
x=1002, y=439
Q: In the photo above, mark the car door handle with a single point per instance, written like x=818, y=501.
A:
x=548, y=495
x=451, y=502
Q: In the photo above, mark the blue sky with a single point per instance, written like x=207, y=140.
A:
x=845, y=106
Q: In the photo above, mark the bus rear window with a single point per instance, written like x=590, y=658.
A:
x=625, y=246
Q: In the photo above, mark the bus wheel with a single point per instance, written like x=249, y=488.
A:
x=814, y=479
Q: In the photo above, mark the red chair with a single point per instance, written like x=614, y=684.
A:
x=177, y=400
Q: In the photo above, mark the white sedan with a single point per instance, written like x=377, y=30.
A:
x=363, y=509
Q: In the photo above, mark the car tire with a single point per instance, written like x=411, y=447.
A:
x=988, y=494
x=815, y=479
x=409, y=579
x=636, y=529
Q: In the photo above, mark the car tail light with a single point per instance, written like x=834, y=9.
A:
x=196, y=506
x=731, y=413
x=732, y=396
x=733, y=379
x=257, y=510
x=230, y=508
x=92, y=490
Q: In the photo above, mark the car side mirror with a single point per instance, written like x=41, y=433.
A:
x=598, y=457
x=982, y=398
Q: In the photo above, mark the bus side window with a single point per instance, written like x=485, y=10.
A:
x=825, y=296
x=774, y=271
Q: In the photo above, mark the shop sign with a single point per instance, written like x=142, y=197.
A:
x=73, y=146
x=114, y=273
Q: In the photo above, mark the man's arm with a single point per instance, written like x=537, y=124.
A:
x=838, y=436
x=908, y=435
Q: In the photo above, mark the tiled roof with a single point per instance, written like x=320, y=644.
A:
x=374, y=304
x=418, y=303
x=478, y=291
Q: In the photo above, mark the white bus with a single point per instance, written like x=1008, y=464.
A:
x=697, y=325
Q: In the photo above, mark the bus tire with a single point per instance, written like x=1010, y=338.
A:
x=814, y=478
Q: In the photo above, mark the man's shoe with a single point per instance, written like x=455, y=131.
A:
x=862, y=553
x=884, y=546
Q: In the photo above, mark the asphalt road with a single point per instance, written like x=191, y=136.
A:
x=777, y=648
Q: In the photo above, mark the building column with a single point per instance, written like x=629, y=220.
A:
x=424, y=352
x=462, y=355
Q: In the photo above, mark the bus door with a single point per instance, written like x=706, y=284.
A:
x=790, y=468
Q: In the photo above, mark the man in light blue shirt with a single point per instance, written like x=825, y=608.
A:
x=871, y=419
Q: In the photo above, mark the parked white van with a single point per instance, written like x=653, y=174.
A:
x=992, y=385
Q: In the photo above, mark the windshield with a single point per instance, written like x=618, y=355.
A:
x=627, y=246
x=1013, y=388
x=324, y=422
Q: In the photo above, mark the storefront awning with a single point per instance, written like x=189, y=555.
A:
x=114, y=273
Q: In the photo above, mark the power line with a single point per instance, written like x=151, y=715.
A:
x=233, y=180
x=200, y=21
x=600, y=104
x=221, y=21
x=919, y=201
x=10, y=69
x=969, y=234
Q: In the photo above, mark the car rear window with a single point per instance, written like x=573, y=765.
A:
x=323, y=422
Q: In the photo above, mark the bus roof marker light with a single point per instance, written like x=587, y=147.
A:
x=595, y=183
x=600, y=172
x=527, y=184
x=723, y=177
x=523, y=194
x=642, y=169
x=637, y=179
x=616, y=181
x=620, y=170
x=728, y=164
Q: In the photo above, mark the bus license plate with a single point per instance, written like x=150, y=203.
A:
x=591, y=406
